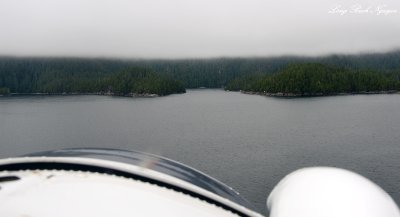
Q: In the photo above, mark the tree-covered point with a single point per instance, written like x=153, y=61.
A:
x=317, y=79
x=133, y=80
x=139, y=81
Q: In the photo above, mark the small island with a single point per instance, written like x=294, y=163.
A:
x=315, y=79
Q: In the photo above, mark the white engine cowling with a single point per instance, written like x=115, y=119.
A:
x=329, y=192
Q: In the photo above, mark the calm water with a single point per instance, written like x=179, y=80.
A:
x=249, y=142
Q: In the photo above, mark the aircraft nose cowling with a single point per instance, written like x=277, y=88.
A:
x=329, y=192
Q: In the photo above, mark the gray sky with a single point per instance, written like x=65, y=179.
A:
x=197, y=28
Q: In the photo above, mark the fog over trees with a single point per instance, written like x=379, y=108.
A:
x=87, y=75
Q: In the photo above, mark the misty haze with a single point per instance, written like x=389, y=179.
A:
x=182, y=29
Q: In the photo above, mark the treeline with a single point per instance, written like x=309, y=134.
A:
x=25, y=75
x=56, y=75
x=126, y=81
x=307, y=79
x=138, y=81
x=29, y=75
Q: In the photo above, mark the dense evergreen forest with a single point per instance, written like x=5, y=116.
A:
x=74, y=79
x=87, y=75
x=309, y=79
x=139, y=81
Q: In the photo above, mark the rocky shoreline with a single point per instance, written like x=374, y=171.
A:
x=280, y=94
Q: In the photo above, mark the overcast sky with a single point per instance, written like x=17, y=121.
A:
x=197, y=28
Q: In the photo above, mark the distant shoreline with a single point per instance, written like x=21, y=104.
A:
x=139, y=95
x=297, y=95
x=150, y=95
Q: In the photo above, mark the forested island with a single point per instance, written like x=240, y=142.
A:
x=286, y=75
x=315, y=79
